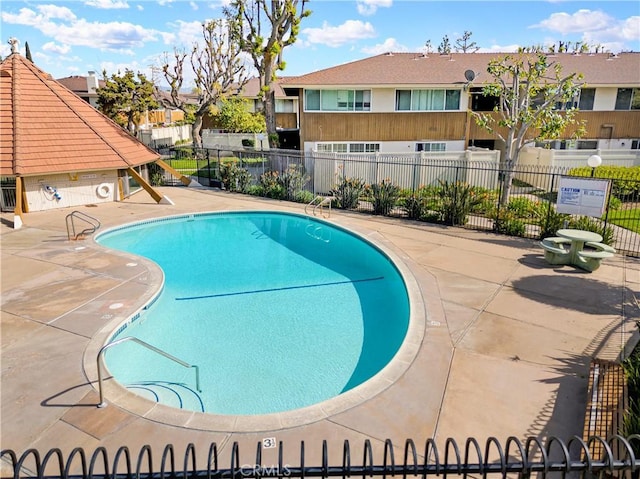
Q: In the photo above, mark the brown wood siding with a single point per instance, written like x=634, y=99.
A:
x=625, y=124
x=405, y=126
x=599, y=124
x=288, y=121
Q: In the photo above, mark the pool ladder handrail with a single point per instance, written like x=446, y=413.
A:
x=102, y=402
x=94, y=224
x=319, y=202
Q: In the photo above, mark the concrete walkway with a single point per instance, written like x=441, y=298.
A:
x=505, y=344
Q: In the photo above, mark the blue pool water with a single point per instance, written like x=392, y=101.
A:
x=279, y=311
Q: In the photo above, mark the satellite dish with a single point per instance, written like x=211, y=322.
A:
x=469, y=75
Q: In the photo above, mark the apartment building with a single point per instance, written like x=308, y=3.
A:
x=411, y=102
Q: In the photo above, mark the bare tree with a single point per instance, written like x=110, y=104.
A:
x=464, y=45
x=263, y=29
x=445, y=46
x=218, y=71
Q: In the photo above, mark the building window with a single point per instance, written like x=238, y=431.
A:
x=431, y=146
x=427, y=100
x=364, y=147
x=587, y=145
x=255, y=105
x=480, y=102
x=337, y=100
x=557, y=144
x=628, y=99
x=331, y=147
x=312, y=100
x=348, y=147
x=587, y=97
x=583, y=100
x=324, y=147
x=284, y=106
x=635, y=144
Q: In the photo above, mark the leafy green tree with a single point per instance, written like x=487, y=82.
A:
x=125, y=97
x=218, y=69
x=263, y=29
x=528, y=87
x=234, y=115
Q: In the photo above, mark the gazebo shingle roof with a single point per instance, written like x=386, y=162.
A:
x=45, y=128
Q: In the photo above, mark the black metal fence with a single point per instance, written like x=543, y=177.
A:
x=455, y=191
x=7, y=193
x=552, y=457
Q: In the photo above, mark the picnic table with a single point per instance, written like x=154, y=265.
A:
x=580, y=248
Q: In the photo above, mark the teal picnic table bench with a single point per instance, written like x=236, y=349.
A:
x=580, y=248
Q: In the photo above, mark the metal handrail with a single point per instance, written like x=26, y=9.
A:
x=324, y=200
x=94, y=222
x=148, y=346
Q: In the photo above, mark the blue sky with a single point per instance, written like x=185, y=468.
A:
x=75, y=36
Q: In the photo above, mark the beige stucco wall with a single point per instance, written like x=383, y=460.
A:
x=605, y=99
x=73, y=189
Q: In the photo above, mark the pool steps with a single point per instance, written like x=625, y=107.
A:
x=150, y=347
x=171, y=394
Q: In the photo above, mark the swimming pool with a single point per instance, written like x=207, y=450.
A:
x=279, y=311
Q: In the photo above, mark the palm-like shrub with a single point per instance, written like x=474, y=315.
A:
x=383, y=196
x=347, y=192
x=456, y=201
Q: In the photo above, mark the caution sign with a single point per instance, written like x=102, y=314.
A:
x=583, y=196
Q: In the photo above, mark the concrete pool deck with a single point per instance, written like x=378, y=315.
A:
x=506, y=347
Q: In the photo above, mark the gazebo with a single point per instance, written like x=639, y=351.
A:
x=60, y=150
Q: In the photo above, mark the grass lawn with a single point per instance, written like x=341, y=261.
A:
x=628, y=219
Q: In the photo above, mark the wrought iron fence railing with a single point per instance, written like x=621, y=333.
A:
x=463, y=190
x=551, y=457
x=8, y=194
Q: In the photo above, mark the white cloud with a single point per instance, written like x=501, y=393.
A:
x=55, y=48
x=187, y=33
x=107, y=4
x=581, y=21
x=194, y=5
x=5, y=50
x=44, y=60
x=60, y=23
x=616, y=37
x=389, y=45
x=596, y=28
x=500, y=48
x=630, y=29
x=110, y=36
x=349, y=31
x=370, y=7
x=140, y=8
x=45, y=13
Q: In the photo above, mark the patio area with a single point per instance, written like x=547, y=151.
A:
x=506, y=349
